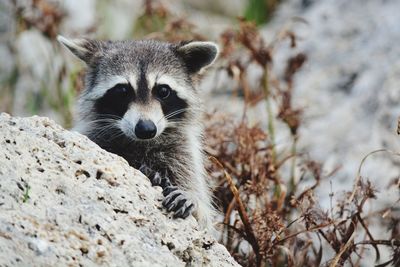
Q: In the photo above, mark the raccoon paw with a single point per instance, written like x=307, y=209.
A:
x=158, y=180
x=146, y=170
x=177, y=201
x=155, y=177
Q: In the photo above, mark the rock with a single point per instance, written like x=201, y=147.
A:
x=348, y=88
x=65, y=201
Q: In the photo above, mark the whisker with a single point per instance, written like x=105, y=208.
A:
x=107, y=125
x=102, y=132
x=176, y=112
x=102, y=129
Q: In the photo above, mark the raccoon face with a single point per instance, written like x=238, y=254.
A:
x=140, y=88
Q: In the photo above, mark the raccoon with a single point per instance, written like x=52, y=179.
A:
x=140, y=102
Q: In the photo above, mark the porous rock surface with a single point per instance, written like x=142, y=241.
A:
x=66, y=202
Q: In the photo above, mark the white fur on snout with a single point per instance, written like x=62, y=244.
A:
x=136, y=112
x=128, y=122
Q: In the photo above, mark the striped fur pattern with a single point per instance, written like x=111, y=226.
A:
x=140, y=102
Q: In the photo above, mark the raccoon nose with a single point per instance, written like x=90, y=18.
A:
x=145, y=129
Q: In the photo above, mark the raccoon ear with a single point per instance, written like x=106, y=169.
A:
x=83, y=48
x=198, y=55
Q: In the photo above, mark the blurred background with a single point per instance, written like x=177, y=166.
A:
x=320, y=78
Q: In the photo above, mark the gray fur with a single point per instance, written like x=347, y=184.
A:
x=174, y=158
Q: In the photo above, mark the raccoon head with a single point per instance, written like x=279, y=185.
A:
x=140, y=88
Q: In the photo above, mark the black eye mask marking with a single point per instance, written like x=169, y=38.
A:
x=116, y=100
x=172, y=105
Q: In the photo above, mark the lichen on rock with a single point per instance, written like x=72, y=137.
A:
x=65, y=201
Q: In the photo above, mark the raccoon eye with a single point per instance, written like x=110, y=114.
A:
x=120, y=89
x=163, y=91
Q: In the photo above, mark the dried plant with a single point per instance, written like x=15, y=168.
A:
x=43, y=15
x=268, y=219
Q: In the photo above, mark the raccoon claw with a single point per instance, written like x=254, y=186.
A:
x=169, y=189
x=171, y=194
x=176, y=201
x=184, y=211
x=155, y=177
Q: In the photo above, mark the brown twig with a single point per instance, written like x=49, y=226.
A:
x=358, y=177
x=242, y=213
x=391, y=243
x=344, y=249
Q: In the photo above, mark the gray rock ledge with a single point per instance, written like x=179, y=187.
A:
x=66, y=202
